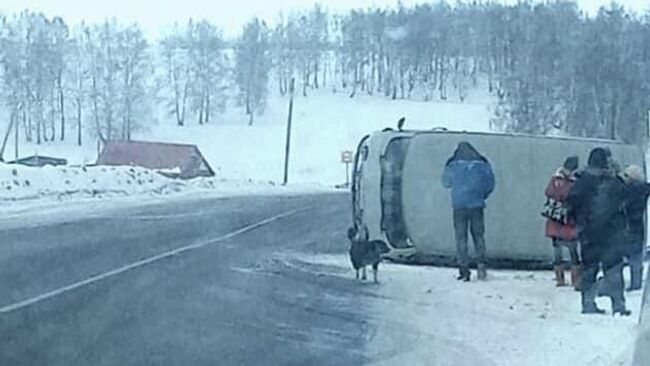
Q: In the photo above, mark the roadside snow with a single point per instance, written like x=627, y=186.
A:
x=426, y=317
x=19, y=183
x=25, y=190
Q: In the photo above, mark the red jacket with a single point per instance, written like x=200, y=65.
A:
x=558, y=190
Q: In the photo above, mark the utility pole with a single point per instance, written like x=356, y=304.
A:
x=6, y=138
x=13, y=123
x=16, y=129
x=288, y=141
x=646, y=145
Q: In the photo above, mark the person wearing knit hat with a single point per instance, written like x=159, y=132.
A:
x=637, y=201
x=633, y=173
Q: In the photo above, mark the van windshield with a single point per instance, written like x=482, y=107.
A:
x=360, y=158
x=392, y=167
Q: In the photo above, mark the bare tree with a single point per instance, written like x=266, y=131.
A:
x=133, y=63
x=207, y=67
x=252, y=67
x=77, y=76
x=119, y=78
x=175, y=54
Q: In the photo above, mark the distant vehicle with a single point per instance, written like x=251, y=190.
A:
x=397, y=194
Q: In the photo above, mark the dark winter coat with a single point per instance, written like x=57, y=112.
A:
x=471, y=180
x=637, y=201
x=558, y=189
x=586, y=208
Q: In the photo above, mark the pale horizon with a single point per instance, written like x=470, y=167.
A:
x=230, y=19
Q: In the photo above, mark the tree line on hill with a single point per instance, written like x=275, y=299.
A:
x=549, y=67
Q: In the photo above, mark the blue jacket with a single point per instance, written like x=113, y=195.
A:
x=471, y=182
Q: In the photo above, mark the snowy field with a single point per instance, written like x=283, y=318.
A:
x=324, y=124
x=515, y=318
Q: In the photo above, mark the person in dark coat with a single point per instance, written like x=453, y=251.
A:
x=637, y=202
x=597, y=201
x=561, y=228
x=469, y=176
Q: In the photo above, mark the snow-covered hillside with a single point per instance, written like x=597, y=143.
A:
x=324, y=124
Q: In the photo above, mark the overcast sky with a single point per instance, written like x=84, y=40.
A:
x=157, y=16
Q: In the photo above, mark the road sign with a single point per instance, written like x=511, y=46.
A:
x=346, y=157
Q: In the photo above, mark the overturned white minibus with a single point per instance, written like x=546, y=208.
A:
x=397, y=194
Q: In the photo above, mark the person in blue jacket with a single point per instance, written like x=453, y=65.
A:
x=469, y=176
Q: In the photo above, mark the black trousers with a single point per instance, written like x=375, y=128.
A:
x=606, y=253
x=634, y=254
x=471, y=219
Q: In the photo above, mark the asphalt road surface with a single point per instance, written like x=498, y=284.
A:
x=200, y=282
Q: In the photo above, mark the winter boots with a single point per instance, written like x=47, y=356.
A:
x=559, y=276
x=464, y=274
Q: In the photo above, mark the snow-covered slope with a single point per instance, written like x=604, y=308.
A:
x=324, y=124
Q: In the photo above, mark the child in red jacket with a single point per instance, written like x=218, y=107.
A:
x=560, y=227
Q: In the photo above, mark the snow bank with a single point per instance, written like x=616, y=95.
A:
x=426, y=317
x=21, y=185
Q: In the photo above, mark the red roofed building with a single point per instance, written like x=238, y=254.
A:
x=184, y=159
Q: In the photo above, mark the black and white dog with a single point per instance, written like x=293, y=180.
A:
x=364, y=252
